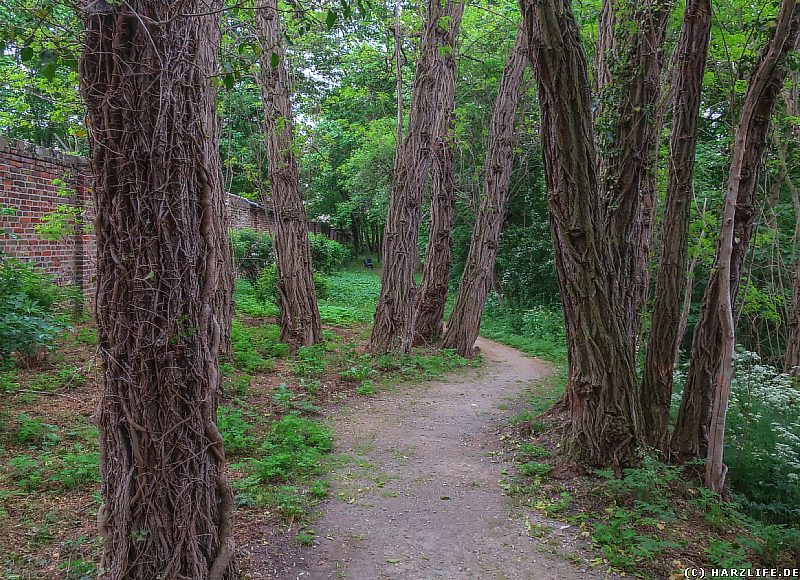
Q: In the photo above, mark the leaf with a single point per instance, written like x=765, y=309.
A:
x=149, y=275
x=274, y=60
x=330, y=19
x=26, y=54
x=48, y=70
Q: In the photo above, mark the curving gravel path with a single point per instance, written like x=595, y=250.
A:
x=417, y=495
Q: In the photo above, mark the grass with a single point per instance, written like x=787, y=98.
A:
x=277, y=440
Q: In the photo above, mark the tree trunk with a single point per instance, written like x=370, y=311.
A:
x=300, y=320
x=394, y=327
x=792, y=360
x=628, y=152
x=604, y=404
x=432, y=293
x=164, y=284
x=465, y=320
x=690, y=438
x=690, y=59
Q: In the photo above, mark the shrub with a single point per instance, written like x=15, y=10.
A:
x=252, y=252
x=28, y=313
x=326, y=254
x=266, y=287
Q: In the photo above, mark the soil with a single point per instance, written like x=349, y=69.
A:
x=418, y=494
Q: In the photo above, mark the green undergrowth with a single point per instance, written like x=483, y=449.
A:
x=275, y=434
x=654, y=520
x=277, y=440
x=537, y=331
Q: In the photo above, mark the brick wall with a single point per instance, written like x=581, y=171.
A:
x=244, y=213
x=27, y=175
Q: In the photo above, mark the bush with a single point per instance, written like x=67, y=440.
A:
x=266, y=287
x=252, y=252
x=762, y=440
x=326, y=254
x=28, y=320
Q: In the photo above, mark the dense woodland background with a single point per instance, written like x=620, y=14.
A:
x=307, y=117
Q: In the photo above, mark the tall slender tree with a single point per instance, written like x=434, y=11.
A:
x=300, y=320
x=711, y=342
x=394, y=315
x=689, y=66
x=768, y=77
x=465, y=320
x=164, y=283
x=432, y=293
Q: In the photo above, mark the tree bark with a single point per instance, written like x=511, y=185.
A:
x=164, y=284
x=690, y=438
x=432, y=293
x=394, y=325
x=300, y=320
x=792, y=360
x=603, y=398
x=690, y=59
x=629, y=152
x=465, y=320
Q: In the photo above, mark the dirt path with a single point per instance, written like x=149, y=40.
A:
x=417, y=494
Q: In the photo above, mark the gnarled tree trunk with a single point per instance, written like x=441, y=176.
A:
x=690, y=438
x=432, y=293
x=394, y=324
x=164, y=283
x=690, y=59
x=300, y=320
x=628, y=152
x=603, y=398
x=465, y=320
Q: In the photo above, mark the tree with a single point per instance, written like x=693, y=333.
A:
x=710, y=345
x=164, y=283
x=394, y=315
x=689, y=58
x=765, y=84
x=603, y=396
x=627, y=129
x=465, y=320
x=300, y=320
x=432, y=293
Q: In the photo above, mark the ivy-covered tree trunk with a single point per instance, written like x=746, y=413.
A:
x=465, y=320
x=603, y=398
x=689, y=66
x=432, y=293
x=300, y=320
x=394, y=315
x=164, y=284
x=690, y=438
x=628, y=151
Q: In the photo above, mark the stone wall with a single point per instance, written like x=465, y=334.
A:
x=35, y=182
x=31, y=185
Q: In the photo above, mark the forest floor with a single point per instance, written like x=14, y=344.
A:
x=419, y=489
